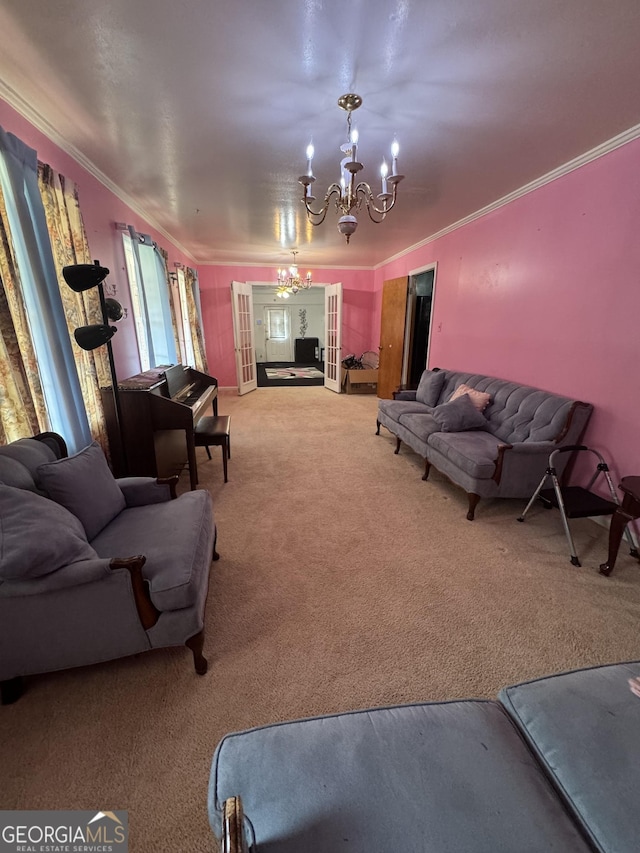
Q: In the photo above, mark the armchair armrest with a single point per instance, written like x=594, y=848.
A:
x=234, y=839
x=140, y=491
x=73, y=574
x=90, y=571
x=533, y=448
x=404, y=393
x=514, y=461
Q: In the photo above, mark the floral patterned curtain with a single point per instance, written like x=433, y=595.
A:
x=70, y=246
x=174, y=320
x=22, y=409
x=200, y=355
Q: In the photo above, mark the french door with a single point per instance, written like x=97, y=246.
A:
x=242, y=306
x=333, y=337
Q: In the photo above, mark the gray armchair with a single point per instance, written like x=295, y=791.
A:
x=93, y=568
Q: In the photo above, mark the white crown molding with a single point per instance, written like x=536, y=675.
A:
x=26, y=111
x=599, y=151
x=267, y=264
x=40, y=123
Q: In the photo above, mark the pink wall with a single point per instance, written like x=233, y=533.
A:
x=101, y=209
x=546, y=291
x=215, y=295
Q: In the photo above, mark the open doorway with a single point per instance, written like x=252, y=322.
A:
x=418, y=325
x=289, y=337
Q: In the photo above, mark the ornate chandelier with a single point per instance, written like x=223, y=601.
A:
x=289, y=281
x=350, y=196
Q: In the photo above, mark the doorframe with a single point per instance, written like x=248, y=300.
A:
x=320, y=285
x=410, y=314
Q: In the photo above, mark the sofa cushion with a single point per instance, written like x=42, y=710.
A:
x=458, y=415
x=170, y=537
x=37, y=535
x=480, y=399
x=84, y=484
x=473, y=452
x=584, y=728
x=431, y=383
x=438, y=778
x=420, y=424
x=396, y=408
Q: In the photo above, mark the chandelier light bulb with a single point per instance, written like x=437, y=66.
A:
x=395, y=150
x=384, y=171
x=310, y=153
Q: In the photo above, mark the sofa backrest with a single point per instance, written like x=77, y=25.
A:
x=521, y=413
x=20, y=460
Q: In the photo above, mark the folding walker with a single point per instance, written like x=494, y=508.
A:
x=576, y=501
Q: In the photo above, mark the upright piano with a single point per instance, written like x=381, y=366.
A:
x=159, y=410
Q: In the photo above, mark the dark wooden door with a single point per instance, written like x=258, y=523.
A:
x=392, y=326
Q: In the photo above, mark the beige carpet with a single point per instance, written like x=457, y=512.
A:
x=345, y=581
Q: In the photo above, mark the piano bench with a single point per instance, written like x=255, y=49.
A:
x=214, y=431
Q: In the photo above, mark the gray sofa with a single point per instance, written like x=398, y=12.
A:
x=93, y=568
x=501, y=452
x=553, y=765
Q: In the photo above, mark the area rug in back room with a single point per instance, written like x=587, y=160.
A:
x=293, y=373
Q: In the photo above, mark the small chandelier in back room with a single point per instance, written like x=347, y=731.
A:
x=289, y=281
x=350, y=196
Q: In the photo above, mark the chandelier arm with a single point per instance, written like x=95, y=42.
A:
x=364, y=191
x=333, y=189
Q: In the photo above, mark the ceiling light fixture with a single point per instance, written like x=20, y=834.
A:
x=349, y=196
x=289, y=281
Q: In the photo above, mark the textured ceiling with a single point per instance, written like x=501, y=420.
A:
x=200, y=111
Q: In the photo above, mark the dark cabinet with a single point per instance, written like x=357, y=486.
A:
x=307, y=350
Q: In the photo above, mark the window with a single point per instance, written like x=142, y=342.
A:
x=150, y=300
x=277, y=324
x=40, y=290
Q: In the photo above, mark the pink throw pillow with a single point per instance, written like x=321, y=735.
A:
x=480, y=399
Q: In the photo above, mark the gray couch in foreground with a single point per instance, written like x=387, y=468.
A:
x=553, y=765
x=93, y=568
x=499, y=452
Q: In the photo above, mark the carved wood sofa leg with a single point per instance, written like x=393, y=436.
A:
x=11, y=690
x=215, y=555
x=398, y=444
x=473, y=503
x=377, y=427
x=196, y=644
x=427, y=468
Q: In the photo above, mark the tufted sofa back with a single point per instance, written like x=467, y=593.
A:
x=521, y=413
